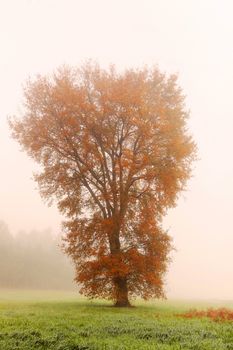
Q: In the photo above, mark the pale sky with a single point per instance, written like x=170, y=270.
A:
x=193, y=38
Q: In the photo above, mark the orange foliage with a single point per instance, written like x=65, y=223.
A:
x=115, y=153
x=221, y=314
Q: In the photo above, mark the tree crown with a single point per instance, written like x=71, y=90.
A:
x=115, y=153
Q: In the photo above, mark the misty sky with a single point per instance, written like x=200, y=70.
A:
x=193, y=38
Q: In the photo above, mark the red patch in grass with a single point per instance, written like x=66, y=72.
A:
x=221, y=314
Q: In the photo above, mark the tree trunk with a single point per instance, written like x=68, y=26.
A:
x=120, y=283
x=121, y=292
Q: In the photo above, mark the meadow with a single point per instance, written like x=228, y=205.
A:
x=64, y=321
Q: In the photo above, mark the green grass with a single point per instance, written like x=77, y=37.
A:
x=63, y=321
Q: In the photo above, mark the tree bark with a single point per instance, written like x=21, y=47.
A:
x=120, y=283
x=121, y=292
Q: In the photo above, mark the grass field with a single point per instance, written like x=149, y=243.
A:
x=63, y=321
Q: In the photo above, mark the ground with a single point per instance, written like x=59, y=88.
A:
x=64, y=321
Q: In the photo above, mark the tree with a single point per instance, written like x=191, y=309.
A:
x=115, y=153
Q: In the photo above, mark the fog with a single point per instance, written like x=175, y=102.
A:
x=33, y=260
x=192, y=38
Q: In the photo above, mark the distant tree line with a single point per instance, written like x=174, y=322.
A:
x=33, y=260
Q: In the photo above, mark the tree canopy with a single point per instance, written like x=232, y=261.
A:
x=115, y=153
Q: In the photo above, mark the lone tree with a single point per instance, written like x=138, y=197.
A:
x=115, y=153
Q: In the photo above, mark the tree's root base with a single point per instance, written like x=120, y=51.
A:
x=122, y=304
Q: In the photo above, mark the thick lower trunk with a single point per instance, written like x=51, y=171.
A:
x=120, y=283
x=121, y=292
